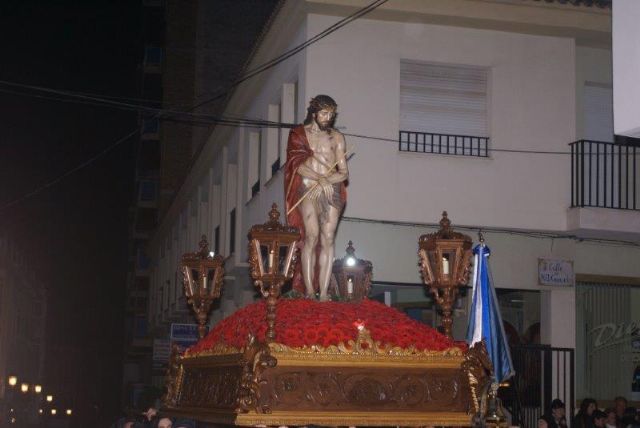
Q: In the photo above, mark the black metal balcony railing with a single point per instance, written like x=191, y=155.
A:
x=604, y=175
x=443, y=144
x=542, y=374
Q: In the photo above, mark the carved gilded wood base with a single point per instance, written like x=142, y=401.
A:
x=351, y=385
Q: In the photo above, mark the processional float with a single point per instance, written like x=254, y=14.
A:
x=352, y=362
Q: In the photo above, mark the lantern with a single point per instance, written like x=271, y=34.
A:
x=352, y=275
x=445, y=261
x=272, y=256
x=202, y=273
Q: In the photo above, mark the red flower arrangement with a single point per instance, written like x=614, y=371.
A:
x=302, y=322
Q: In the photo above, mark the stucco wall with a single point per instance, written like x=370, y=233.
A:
x=531, y=107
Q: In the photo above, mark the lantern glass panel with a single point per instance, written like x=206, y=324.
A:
x=266, y=257
x=282, y=259
x=188, y=273
x=195, y=277
x=211, y=272
x=258, y=250
x=434, y=263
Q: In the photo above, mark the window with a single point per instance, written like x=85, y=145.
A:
x=152, y=55
x=287, y=114
x=216, y=240
x=607, y=340
x=598, y=112
x=147, y=191
x=150, y=125
x=443, y=109
x=273, y=142
x=152, y=88
x=232, y=231
x=255, y=147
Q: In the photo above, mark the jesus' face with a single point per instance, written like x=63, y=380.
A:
x=324, y=118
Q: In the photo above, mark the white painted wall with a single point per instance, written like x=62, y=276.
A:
x=532, y=107
x=626, y=67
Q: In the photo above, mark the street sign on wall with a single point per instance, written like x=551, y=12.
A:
x=556, y=272
x=183, y=335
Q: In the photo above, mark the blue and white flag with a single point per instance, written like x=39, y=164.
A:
x=485, y=321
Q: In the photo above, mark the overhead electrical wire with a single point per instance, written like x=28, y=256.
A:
x=293, y=51
x=69, y=172
x=202, y=118
x=500, y=230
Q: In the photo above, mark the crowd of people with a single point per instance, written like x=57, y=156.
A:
x=152, y=419
x=591, y=416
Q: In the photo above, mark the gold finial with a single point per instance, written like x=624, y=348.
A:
x=274, y=214
x=445, y=223
x=350, y=250
x=204, y=246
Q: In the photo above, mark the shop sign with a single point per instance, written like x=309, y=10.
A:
x=184, y=335
x=555, y=272
x=609, y=334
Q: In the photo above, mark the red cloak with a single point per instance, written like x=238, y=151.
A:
x=298, y=151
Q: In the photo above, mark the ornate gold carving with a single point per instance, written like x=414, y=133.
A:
x=217, y=349
x=350, y=418
x=364, y=345
x=174, y=378
x=365, y=388
x=210, y=387
x=254, y=266
x=256, y=359
x=200, y=292
x=439, y=253
x=477, y=365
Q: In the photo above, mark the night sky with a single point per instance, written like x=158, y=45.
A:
x=75, y=231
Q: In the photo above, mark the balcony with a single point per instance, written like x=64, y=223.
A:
x=443, y=144
x=605, y=190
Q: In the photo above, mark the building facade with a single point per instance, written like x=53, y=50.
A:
x=23, y=312
x=180, y=45
x=499, y=112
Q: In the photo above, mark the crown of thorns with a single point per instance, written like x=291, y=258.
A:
x=322, y=102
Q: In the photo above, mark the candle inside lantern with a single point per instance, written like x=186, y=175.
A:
x=271, y=260
x=349, y=285
x=445, y=265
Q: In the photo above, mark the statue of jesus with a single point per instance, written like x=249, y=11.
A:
x=315, y=176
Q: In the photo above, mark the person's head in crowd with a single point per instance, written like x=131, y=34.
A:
x=127, y=423
x=587, y=407
x=630, y=417
x=163, y=422
x=620, y=404
x=611, y=417
x=184, y=423
x=557, y=409
x=599, y=419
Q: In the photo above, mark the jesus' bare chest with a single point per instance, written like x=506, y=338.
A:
x=324, y=149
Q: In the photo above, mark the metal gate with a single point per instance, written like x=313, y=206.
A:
x=542, y=374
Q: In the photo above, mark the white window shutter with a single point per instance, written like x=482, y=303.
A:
x=598, y=112
x=443, y=99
